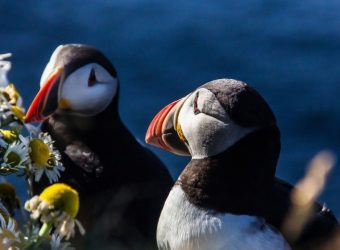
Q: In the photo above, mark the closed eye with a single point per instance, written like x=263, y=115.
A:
x=196, y=109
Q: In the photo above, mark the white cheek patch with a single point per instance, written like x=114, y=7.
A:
x=210, y=132
x=89, y=100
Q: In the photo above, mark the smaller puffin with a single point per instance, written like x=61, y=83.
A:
x=227, y=197
x=122, y=185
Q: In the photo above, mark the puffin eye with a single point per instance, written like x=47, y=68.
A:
x=205, y=102
x=196, y=109
x=92, y=78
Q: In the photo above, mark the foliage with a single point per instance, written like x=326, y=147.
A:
x=30, y=154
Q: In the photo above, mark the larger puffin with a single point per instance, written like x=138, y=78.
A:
x=227, y=197
x=122, y=185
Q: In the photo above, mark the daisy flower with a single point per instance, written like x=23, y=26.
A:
x=15, y=156
x=11, y=110
x=11, y=117
x=44, y=158
x=12, y=95
x=56, y=206
x=9, y=235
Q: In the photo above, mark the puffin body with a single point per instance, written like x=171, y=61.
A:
x=122, y=185
x=183, y=225
x=228, y=197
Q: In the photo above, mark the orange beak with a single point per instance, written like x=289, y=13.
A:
x=162, y=131
x=46, y=101
x=155, y=131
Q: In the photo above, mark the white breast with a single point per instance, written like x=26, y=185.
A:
x=183, y=226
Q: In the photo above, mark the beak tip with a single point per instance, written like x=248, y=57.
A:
x=29, y=118
x=147, y=139
x=152, y=141
x=148, y=134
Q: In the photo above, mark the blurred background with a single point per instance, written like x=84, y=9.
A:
x=288, y=50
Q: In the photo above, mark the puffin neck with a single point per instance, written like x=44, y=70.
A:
x=233, y=180
x=105, y=135
x=92, y=128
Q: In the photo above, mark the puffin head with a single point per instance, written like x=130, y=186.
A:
x=210, y=120
x=78, y=80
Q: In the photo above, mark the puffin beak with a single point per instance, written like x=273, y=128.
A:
x=46, y=101
x=162, y=131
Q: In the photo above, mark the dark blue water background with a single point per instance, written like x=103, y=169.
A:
x=288, y=50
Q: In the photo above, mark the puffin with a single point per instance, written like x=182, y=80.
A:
x=227, y=196
x=121, y=184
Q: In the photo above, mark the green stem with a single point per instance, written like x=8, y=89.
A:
x=44, y=230
x=29, y=183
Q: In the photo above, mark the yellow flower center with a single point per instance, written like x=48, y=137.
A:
x=9, y=135
x=39, y=152
x=13, y=159
x=62, y=197
x=18, y=112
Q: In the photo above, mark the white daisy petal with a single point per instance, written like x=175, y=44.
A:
x=38, y=174
x=9, y=236
x=57, y=244
x=3, y=144
x=3, y=209
x=3, y=221
x=80, y=227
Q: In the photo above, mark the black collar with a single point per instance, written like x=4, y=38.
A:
x=234, y=180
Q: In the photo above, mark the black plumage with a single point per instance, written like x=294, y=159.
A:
x=241, y=180
x=122, y=185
